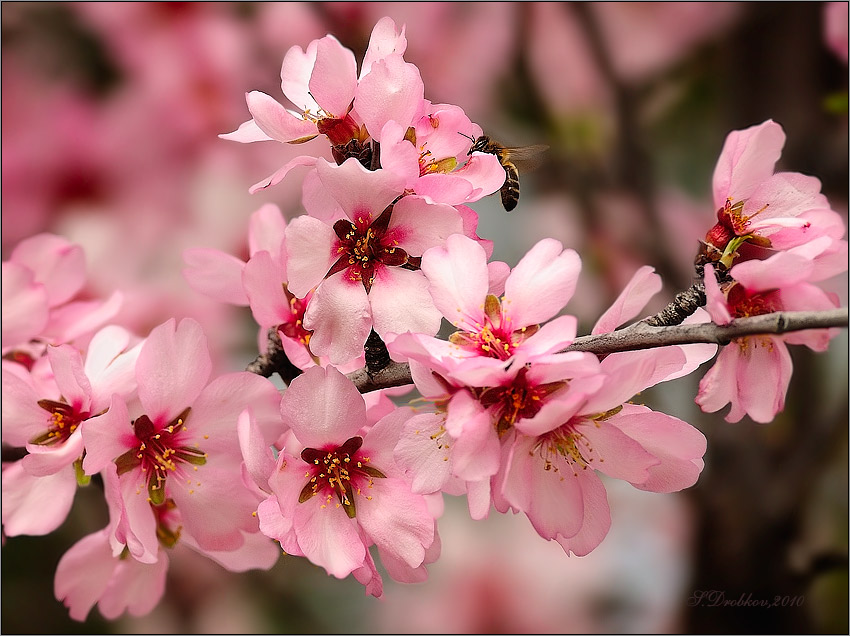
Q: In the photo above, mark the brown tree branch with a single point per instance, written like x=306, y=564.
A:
x=644, y=336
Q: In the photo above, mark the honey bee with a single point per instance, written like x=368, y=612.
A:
x=507, y=157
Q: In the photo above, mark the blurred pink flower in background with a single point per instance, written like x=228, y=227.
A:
x=835, y=18
x=634, y=582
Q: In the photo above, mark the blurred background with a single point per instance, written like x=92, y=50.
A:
x=110, y=116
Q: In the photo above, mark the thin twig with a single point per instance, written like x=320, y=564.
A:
x=274, y=360
x=644, y=336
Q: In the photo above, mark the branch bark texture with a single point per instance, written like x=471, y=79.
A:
x=642, y=335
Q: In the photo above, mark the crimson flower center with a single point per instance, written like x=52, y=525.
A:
x=363, y=247
x=494, y=337
x=160, y=452
x=521, y=399
x=64, y=420
x=339, y=471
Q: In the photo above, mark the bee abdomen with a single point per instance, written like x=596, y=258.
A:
x=510, y=189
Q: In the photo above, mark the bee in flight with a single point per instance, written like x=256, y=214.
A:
x=507, y=157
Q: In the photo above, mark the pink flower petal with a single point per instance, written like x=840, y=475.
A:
x=266, y=231
x=318, y=201
x=56, y=263
x=418, y=225
x=552, y=499
x=135, y=587
x=35, y=505
x=553, y=336
x=400, y=302
x=215, y=274
x=780, y=270
x=107, y=437
x=747, y=159
x=256, y=451
x=334, y=77
x=328, y=537
x=764, y=374
x=340, y=317
x=385, y=40
x=295, y=74
x=263, y=284
x=49, y=460
x=611, y=451
x=397, y=520
x=215, y=506
x=541, y=283
x=716, y=304
x=596, y=519
x=362, y=194
x=248, y=132
x=644, y=284
x=449, y=189
x=109, y=367
x=83, y=573
x=322, y=406
x=423, y=453
x=173, y=366
x=277, y=122
x=67, y=365
x=784, y=194
x=392, y=90
x=398, y=155
x=24, y=305
x=217, y=409
x=476, y=452
x=629, y=372
x=309, y=253
x=76, y=319
x=257, y=552
x=484, y=172
x=22, y=417
x=278, y=176
x=458, y=278
x=677, y=444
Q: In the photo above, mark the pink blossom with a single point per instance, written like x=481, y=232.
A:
x=354, y=259
x=778, y=210
x=99, y=570
x=177, y=445
x=88, y=574
x=428, y=154
x=323, y=84
x=490, y=328
x=588, y=425
x=49, y=424
x=40, y=280
x=835, y=17
x=753, y=372
x=352, y=495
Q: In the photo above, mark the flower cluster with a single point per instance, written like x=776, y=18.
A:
x=775, y=236
x=386, y=253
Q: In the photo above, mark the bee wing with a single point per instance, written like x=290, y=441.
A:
x=526, y=157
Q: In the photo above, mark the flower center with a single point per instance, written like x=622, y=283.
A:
x=494, y=338
x=294, y=327
x=159, y=453
x=64, y=420
x=743, y=304
x=731, y=223
x=519, y=400
x=339, y=471
x=364, y=247
x=571, y=444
